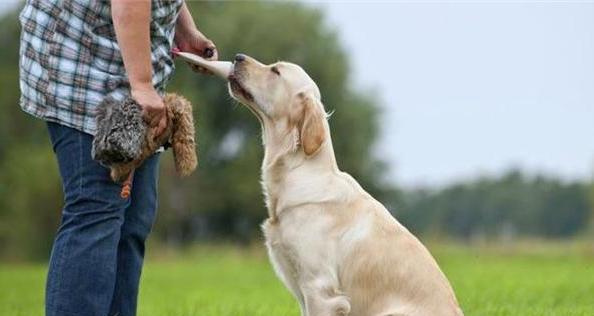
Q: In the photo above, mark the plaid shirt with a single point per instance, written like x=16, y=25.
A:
x=70, y=60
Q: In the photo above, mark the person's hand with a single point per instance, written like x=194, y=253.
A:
x=153, y=108
x=196, y=43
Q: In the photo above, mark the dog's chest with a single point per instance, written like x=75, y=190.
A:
x=283, y=256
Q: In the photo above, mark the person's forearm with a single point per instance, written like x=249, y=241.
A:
x=185, y=23
x=131, y=20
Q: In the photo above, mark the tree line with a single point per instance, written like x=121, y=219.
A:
x=508, y=206
x=223, y=198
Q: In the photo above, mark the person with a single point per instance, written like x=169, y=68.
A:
x=72, y=55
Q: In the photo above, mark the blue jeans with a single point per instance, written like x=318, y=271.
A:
x=98, y=252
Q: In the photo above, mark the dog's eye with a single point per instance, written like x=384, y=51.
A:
x=275, y=70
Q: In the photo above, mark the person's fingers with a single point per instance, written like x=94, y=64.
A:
x=205, y=71
x=161, y=126
x=156, y=120
x=210, y=52
x=200, y=69
x=215, y=55
x=197, y=68
x=147, y=116
x=151, y=117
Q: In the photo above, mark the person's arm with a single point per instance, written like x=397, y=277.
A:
x=131, y=21
x=189, y=39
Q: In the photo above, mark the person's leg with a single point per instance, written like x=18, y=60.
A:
x=82, y=269
x=139, y=218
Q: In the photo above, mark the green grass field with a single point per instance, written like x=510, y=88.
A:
x=208, y=281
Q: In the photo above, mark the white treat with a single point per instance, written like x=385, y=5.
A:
x=219, y=68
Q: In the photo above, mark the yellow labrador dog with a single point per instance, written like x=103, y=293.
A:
x=336, y=248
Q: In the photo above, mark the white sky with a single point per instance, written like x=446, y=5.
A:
x=474, y=87
x=471, y=88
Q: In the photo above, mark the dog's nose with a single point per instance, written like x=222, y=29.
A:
x=239, y=58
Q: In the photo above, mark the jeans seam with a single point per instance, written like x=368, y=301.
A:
x=60, y=262
x=80, y=163
x=61, y=254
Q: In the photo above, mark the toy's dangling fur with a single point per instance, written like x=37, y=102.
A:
x=123, y=141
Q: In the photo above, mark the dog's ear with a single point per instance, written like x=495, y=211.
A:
x=311, y=125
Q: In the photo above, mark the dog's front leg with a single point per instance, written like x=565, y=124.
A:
x=283, y=262
x=322, y=298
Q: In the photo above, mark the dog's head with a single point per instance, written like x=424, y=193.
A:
x=283, y=97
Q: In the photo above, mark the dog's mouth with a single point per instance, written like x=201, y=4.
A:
x=238, y=89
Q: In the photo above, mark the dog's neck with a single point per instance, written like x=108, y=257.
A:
x=290, y=177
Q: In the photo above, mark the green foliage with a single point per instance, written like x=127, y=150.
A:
x=505, y=207
x=16, y=128
x=591, y=226
x=227, y=282
x=223, y=198
x=30, y=201
x=30, y=192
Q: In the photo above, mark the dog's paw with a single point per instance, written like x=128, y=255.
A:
x=340, y=306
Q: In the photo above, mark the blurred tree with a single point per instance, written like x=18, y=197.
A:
x=30, y=193
x=224, y=196
x=503, y=207
x=15, y=126
x=592, y=207
x=30, y=201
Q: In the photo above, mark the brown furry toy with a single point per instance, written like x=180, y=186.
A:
x=123, y=140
